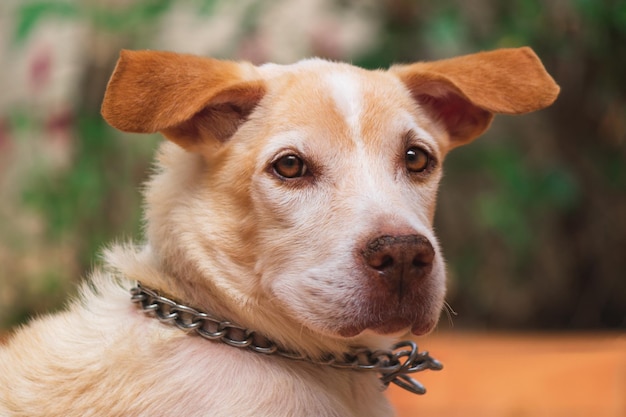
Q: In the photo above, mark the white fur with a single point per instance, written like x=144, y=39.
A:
x=346, y=93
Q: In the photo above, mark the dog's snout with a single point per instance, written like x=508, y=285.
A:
x=400, y=258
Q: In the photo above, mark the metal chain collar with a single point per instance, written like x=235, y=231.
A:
x=393, y=365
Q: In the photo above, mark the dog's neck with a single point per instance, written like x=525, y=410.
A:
x=393, y=365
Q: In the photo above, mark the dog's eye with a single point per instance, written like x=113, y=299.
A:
x=290, y=166
x=417, y=160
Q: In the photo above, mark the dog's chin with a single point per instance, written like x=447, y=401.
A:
x=392, y=327
x=421, y=329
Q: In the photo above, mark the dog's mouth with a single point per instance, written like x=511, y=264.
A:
x=384, y=313
x=390, y=325
x=384, y=328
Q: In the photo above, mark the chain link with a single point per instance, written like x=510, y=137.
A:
x=393, y=365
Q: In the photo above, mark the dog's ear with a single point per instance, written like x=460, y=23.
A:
x=465, y=92
x=189, y=99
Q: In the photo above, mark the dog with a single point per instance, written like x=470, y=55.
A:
x=291, y=212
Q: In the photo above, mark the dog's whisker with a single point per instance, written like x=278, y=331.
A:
x=449, y=312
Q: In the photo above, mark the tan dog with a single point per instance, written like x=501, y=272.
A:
x=296, y=201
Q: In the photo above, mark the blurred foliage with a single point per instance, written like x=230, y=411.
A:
x=83, y=201
x=532, y=216
x=137, y=13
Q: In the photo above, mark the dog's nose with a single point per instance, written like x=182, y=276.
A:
x=400, y=259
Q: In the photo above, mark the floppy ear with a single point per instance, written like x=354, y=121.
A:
x=191, y=100
x=465, y=92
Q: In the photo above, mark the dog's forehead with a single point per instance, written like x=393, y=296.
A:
x=358, y=105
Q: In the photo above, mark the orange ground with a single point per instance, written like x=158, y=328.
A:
x=487, y=375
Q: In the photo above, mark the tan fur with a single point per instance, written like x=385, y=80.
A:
x=285, y=257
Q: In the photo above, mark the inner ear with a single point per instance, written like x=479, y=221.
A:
x=219, y=120
x=213, y=123
x=463, y=120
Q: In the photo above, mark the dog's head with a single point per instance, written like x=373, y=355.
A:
x=312, y=187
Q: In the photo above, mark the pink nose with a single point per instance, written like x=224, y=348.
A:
x=400, y=259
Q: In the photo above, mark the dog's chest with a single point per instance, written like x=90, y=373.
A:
x=229, y=381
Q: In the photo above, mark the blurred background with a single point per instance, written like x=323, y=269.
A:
x=532, y=216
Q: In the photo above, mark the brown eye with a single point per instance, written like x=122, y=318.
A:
x=417, y=160
x=290, y=166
